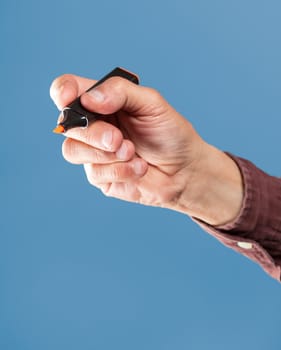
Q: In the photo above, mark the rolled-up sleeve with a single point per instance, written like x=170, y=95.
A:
x=256, y=231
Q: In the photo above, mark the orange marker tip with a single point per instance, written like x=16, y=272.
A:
x=59, y=129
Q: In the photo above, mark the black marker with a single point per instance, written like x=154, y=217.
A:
x=75, y=115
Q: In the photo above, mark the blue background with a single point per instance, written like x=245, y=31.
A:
x=81, y=271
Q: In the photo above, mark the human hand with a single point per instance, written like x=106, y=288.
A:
x=143, y=150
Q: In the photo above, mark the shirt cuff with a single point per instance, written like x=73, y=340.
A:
x=256, y=231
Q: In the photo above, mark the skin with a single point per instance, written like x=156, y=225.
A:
x=144, y=151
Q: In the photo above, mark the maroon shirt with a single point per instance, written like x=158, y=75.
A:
x=256, y=232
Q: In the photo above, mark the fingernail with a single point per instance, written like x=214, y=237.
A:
x=122, y=152
x=107, y=139
x=138, y=167
x=96, y=95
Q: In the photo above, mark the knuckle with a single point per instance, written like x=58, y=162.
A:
x=121, y=172
x=109, y=173
x=100, y=157
x=97, y=156
x=116, y=86
x=116, y=173
x=154, y=95
x=116, y=83
x=155, y=102
x=102, y=174
x=90, y=138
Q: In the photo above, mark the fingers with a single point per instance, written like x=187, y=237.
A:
x=102, y=167
x=67, y=87
x=112, y=95
x=99, y=134
x=118, y=93
x=77, y=152
x=98, y=174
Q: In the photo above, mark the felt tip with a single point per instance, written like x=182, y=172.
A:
x=59, y=129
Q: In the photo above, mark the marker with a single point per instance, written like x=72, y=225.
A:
x=75, y=115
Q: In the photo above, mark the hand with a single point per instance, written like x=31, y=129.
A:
x=144, y=151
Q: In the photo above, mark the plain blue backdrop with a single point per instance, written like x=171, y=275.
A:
x=81, y=271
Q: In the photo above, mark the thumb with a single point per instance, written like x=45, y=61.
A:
x=120, y=94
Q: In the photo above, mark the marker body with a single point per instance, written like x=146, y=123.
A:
x=75, y=115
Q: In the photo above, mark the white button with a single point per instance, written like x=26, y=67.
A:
x=245, y=245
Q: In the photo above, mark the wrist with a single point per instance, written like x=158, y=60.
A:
x=214, y=191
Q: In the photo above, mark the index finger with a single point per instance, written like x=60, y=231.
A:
x=67, y=88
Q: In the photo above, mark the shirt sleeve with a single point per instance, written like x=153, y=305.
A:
x=256, y=231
